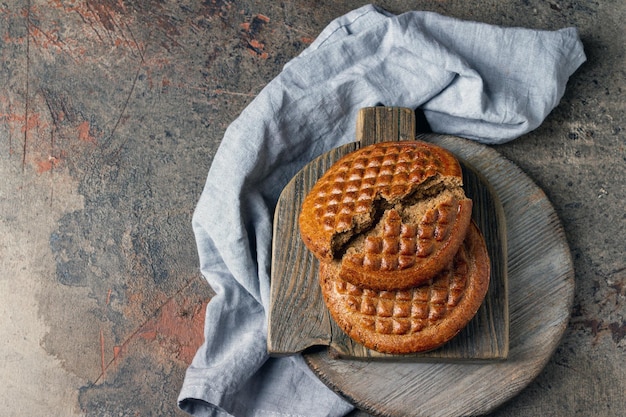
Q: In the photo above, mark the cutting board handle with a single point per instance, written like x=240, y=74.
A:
x=382, y=124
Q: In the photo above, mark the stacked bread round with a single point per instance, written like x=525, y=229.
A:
x=402, y=266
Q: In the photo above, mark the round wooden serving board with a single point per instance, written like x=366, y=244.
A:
x=540, y=296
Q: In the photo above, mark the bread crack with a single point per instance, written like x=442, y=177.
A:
x=390, y=214
x=410, y=206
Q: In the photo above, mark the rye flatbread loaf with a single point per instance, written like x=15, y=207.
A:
x=390, y=216
x=417, y=319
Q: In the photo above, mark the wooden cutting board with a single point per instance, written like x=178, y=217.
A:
x=298, y=318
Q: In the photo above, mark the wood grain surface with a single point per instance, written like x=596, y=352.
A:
x=298, y=317
x=541, y=292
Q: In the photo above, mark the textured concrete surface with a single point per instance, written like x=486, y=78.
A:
x=110, y=113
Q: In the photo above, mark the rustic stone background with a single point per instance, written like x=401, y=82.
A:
x=110, y=113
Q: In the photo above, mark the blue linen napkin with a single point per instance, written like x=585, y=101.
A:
x=487, y=83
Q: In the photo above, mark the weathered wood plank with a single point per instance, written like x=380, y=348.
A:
x=298, y=318
x=379, y=124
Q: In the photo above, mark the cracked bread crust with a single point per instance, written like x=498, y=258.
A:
x=417, y=319
x=406, y=252
x=393, y=214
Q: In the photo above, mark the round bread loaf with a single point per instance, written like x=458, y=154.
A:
x=417, y=319
x=392, y=214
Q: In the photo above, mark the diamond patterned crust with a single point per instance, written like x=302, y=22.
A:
x=389, y=170
x=345, y=196
x=416, y=319
x=388, y=182
x=402, y=254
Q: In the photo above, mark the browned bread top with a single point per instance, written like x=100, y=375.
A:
x=410, y=244
x=416, y=319
x=393, y=213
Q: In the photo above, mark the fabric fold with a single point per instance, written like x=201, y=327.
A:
x=483, y=82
